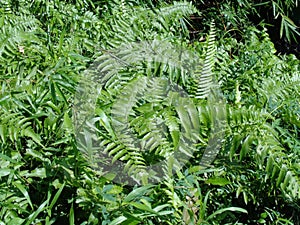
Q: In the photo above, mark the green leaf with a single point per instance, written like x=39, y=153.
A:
x=37, y=172
x=72, y=216
x=3, y=133
x=220, y=181
x=56, y=196
x=24, y=192
x=158, y=210
x=34, y=215
x=68, y=125
x=37, y=154
x=15, y=221
x=137, y=193
x=143, y=207
x=220, y=211
x=105, y=122
x=119, y=220
x=4, y=172
x=28, y=132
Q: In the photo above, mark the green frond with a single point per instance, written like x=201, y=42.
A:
x=280, y=88
x=179, y=11
x=15, y=32
x=204, y=73
x=6, y=7
x=139, y=24
x=255, y=138
x=173, y=124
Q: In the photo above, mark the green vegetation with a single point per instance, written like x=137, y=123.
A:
x=249, y=176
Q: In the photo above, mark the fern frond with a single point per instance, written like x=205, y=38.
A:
x=280, y=87
x=179, y=11
x=16, y=31
x=138, y=24
x=254, y=137
x=204, y=74
x=6, y=7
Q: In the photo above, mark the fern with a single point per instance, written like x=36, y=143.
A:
x=206, y=88
x=252, y=132
x=279, y=89
x=130, y=24
x=15, y=32
x=154, y=58
x=204, y=73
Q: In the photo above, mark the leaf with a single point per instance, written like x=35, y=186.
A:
x=15, y=221
x=136, y=193
x=53, y=92
x=3, y=133
x=246, y=146
x=34, y=215
x=56, y=196
x=143, y=207
x=68, y=125
x=72, y=216
x=119, y=220
x=119, y=155
x=281, y=175
x=205, y=74
x=37, y=172
x=37, y=154
x=158, y=209
x=28, y=132
x=220, y=211
x=24, y=192
x=235, y=143
x=4, y=172
x=220, y=181
x=104, y=120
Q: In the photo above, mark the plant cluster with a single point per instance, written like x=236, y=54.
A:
x=49, y=169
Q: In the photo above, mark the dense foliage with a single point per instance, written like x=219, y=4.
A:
x=46, y=175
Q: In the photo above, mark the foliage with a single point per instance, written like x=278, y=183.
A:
x=45, y=177
x=236, y=15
